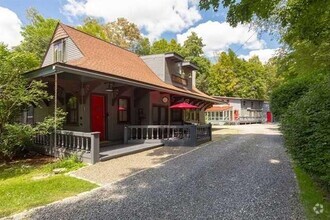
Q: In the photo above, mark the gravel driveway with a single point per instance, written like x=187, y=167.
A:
x=246, y=175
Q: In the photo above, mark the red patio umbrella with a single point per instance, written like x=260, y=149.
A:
x=183, y=105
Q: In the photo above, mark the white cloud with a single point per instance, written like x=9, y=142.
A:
x=263, y=54
x=219, y=36
x=10, y=27
x=156, y=17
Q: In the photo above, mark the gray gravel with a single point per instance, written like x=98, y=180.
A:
x=244, y=176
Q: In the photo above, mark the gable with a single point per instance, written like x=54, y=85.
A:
x=72, y=52
x=59, y=34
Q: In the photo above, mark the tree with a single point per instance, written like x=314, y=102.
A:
x=193, y=46
x=17, y=94
x=37, y=34
x=232, y=76
x=120, y=32
x=94, y=27
x=223, y=79
x=142, y=47
x=123, y=33
x=163, y=46
x=302, y=24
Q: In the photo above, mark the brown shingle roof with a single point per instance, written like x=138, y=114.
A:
x=110, y=59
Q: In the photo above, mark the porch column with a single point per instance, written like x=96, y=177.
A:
x=55, y=110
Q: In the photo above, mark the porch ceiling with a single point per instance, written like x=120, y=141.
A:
x=60, y=68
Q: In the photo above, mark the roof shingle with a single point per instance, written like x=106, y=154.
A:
x=110, y=59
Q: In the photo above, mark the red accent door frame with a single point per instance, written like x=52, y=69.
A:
x=269, y=117
x=98, y=107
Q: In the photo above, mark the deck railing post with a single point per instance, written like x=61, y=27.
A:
x=52, y=143
x=193, y=135
x=95, y=147
x=210, y=131
x=125, y=135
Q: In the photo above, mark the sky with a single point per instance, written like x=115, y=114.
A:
x=156, y=19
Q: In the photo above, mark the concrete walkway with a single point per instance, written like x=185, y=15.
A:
x=246, y=175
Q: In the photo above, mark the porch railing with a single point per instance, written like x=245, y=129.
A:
x=71, y=141
x=169, y=135
x=248, y=119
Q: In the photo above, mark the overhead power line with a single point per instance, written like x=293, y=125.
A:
x=244, y=42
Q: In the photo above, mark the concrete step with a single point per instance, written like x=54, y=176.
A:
x=126, y=150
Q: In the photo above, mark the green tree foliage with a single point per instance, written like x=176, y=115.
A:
x=17, y=94
x=243, y=11
x=120, y=32
x=95, y=28
x=232, y=76
x=192, y=50
x=163, y=46
x=37, y=34
x=123, y=33
x=302, y=24
x=142, y=47
x=193, y=46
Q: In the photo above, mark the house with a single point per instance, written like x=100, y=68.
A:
x=114, y=96
x=235, y=110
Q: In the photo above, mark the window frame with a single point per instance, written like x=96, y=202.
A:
x=69, y=110
x=59, y=51
x=128, y=110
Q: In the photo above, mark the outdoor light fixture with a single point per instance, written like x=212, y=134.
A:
x=110, y=87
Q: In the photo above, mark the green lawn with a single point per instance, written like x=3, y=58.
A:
x=26, y=185
x=310, y=195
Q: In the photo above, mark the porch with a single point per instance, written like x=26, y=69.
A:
x=102, y=108
x=86, y=145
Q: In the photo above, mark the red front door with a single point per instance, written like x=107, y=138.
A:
x=269, y=117
x=98, y=114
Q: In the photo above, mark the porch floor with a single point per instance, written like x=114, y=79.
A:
x=110, y=152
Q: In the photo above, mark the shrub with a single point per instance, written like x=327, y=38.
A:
x=306, y=129
x=289, y=92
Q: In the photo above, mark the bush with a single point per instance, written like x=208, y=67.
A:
x=289, y=92
x=306, y=129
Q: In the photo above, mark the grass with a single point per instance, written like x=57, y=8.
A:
x=311, y=194
x=24, y=185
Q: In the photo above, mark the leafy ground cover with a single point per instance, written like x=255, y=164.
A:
x=29, y=183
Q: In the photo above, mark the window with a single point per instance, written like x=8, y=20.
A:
x=244, y=103
x=72, y=109
x=159, y=115
x=176, y=115
x=123, y=110
x=179, y=68
x=28, y=115
x=251, y=104
x=59, y=51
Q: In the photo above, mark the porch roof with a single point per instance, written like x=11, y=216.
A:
x=66, y=68
x=110, y=62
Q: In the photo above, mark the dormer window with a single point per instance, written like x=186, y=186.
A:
x=59, y=51
x=179, y=68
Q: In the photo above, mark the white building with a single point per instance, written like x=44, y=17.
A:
x=235, y=110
